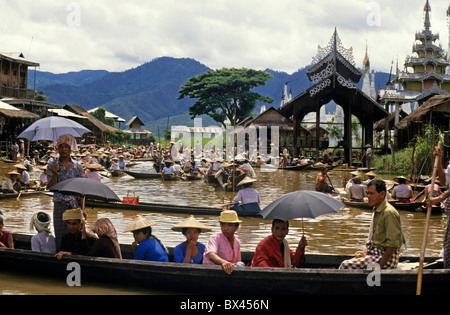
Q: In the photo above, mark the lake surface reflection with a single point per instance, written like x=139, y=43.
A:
x=340, y=233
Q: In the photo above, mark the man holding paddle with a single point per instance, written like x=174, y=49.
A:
x=444, y=196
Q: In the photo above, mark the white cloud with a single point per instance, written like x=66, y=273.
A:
x=281, y=35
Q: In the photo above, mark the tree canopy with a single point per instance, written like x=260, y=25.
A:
x=220, y=92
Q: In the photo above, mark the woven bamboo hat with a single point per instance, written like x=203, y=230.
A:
x=73, y=214
x=401, y=177
x=139, y=223
x=92, y=165
x=14, y=173
x=247, y=180
x=229, y=216
x=20, y=166
x=191, y=223
x=371, y=173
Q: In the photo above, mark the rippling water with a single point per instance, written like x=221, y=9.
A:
x=340, y=233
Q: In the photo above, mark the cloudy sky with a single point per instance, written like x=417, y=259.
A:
x=281, y=35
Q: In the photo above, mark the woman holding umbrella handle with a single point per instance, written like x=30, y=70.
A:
x=57, y=171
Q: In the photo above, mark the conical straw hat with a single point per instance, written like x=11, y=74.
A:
x=191, y=223
x=356, y=173
x=139, y=223
x=371, y=173
x=92, y=165
x=403, y=177
x=247, y=180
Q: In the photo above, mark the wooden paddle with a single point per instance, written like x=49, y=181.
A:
x=427, y=225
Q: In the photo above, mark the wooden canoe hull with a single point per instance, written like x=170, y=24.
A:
x=117, y=173
x=413, y=206
x=296, y=167
x=193, y=177
x=171, y=177
x=203, y=279
x=144, y=175
x=164, y=208
x=22, y=195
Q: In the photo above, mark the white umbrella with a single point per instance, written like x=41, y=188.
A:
x=51, y=128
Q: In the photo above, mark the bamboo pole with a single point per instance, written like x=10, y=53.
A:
x=427, y=226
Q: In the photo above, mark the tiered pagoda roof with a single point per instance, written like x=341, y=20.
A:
x=333, y=73
x=425, y=71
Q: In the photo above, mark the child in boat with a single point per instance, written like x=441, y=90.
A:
x=44, y=241
x=191, y=251
x=146, y=246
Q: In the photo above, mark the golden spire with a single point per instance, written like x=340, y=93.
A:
x=427, y=10
x=366, y=62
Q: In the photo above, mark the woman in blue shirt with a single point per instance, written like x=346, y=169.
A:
x=191, y=251
x=146, y=246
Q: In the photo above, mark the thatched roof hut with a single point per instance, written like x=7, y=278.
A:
x=380, y=125
x=436, y=112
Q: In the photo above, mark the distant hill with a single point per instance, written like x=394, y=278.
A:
x=150, y=91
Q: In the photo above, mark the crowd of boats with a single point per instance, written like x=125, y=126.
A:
x=318, y=274
x=100, y=162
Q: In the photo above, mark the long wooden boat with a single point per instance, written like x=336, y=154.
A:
x=319, y=167
x=164, y=208
x=356, y=204
x=296, y=167
x=170, y=177
x=22, y=194
x=193, y=177
x=144, y=175
x=417, y=207
x=117, y=173
x=413, y=206
x=317, y=275
x=211, y=178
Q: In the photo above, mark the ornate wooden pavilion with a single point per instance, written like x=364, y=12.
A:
x=333, y=74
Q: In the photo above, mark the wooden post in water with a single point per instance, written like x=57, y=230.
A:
x=427, y=225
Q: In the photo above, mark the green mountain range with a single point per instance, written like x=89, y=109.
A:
x=150, y=91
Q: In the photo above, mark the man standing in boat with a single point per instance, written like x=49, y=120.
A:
x=385, y=234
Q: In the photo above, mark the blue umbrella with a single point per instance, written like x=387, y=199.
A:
x=51, y=128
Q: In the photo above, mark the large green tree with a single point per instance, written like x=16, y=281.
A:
x=219, y=93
